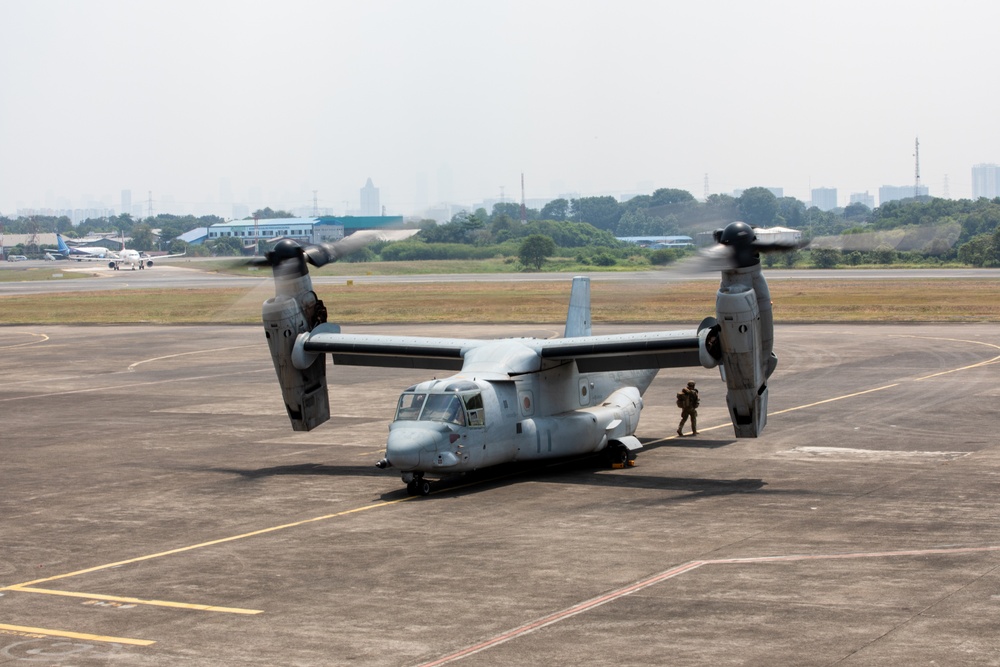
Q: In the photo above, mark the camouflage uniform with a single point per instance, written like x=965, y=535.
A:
x=687, y=401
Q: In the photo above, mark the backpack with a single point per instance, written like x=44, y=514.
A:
x=681, y=400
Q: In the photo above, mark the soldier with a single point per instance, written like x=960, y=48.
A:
x=687, y=401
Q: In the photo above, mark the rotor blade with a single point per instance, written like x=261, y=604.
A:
x=321, y=254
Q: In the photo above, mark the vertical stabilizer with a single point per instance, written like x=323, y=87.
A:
x=578, y=317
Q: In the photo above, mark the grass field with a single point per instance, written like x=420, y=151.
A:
x=886, y=300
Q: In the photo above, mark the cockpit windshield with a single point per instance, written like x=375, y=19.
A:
x=450, y=408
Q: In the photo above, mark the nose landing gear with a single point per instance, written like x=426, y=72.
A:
x=418, y=486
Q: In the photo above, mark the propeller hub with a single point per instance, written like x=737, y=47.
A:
x=284, y=249
x=737, y=234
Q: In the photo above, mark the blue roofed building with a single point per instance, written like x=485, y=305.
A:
x=323, y=229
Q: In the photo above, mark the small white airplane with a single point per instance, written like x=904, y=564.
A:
x=134, y=258
x=521, y=399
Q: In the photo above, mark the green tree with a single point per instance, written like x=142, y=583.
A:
x=601, y=212
x=534, y=249
x=557, y=209
x=758, y=206
x=267, y=214
x=142, y=238
x=825, y=258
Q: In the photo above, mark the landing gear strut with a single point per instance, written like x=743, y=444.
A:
x=418, y=486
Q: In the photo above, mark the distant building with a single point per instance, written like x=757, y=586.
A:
x=369, y=200
x=888, y=193
x=126, y=202
x=825, y=199
x=985, y=181
x=658, y=242
x=863, y=198
x=325, y=229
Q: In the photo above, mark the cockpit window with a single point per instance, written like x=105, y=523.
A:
x=461, y=409
x=444, y=408
x=409, y=407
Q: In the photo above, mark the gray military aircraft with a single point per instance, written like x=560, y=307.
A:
x=520, y=399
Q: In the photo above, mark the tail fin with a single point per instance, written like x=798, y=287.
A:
x=578, y=317
x=63, y=248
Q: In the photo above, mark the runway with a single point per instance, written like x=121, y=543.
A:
x=157, y=509
x=184, y=274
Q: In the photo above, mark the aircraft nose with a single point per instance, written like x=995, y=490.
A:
x=405, y=445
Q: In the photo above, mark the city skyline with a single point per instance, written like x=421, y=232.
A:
x=441, y=101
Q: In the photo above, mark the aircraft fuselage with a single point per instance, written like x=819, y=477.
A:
x=462, y=423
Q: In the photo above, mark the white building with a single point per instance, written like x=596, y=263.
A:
x=825, y=199
x=369, y=200
x=985, y=181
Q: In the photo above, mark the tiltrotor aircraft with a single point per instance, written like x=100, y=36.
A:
x=519, y=399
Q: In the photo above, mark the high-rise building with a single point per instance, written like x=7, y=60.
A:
x=825, y=199
x=126, y=208
x=369, y=200
x=985, y=181
x=887, y=193
x=863, y=198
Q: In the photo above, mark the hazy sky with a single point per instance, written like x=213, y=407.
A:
x=449, y=100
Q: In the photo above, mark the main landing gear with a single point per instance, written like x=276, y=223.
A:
x=418, y=486
x=619, y=456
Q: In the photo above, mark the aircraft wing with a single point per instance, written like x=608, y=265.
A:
x=511, y=356
x=155, y=258
x=392, y=351
x=636, y=351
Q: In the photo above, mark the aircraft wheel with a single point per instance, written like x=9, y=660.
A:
x=411, y=486
x=618, y=455
x=423, y=487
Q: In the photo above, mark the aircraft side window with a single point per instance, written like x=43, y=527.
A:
x=474, y=405
x=409, y=407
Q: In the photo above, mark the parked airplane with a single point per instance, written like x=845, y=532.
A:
x=80, y=253
x=520, y=399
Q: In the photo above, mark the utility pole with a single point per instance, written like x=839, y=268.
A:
x=916, y=155
x=524, y=209
x=315, y=204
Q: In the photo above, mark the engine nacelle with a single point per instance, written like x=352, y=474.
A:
x=743, y=309
x=304, y=390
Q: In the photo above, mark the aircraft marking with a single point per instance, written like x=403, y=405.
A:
x=75, y=635
x=619, y=593
x=134, y=601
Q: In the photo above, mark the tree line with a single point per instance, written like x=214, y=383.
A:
x=918, y=229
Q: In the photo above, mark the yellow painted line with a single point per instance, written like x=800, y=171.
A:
x=42, y=339
x=75, y=635
x=836, y=398
x=131, y=367
x=202, y=545
x=155, y=603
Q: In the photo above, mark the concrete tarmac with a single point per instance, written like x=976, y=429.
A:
x=156, y=508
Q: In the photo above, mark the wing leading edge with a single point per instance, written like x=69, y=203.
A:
x=511, y=356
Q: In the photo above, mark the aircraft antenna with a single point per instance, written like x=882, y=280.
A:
x=916, y=156
x=524, y=210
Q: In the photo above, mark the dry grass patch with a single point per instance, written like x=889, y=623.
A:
x=931, y=300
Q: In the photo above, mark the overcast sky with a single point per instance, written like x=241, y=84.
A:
x=440, y=100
